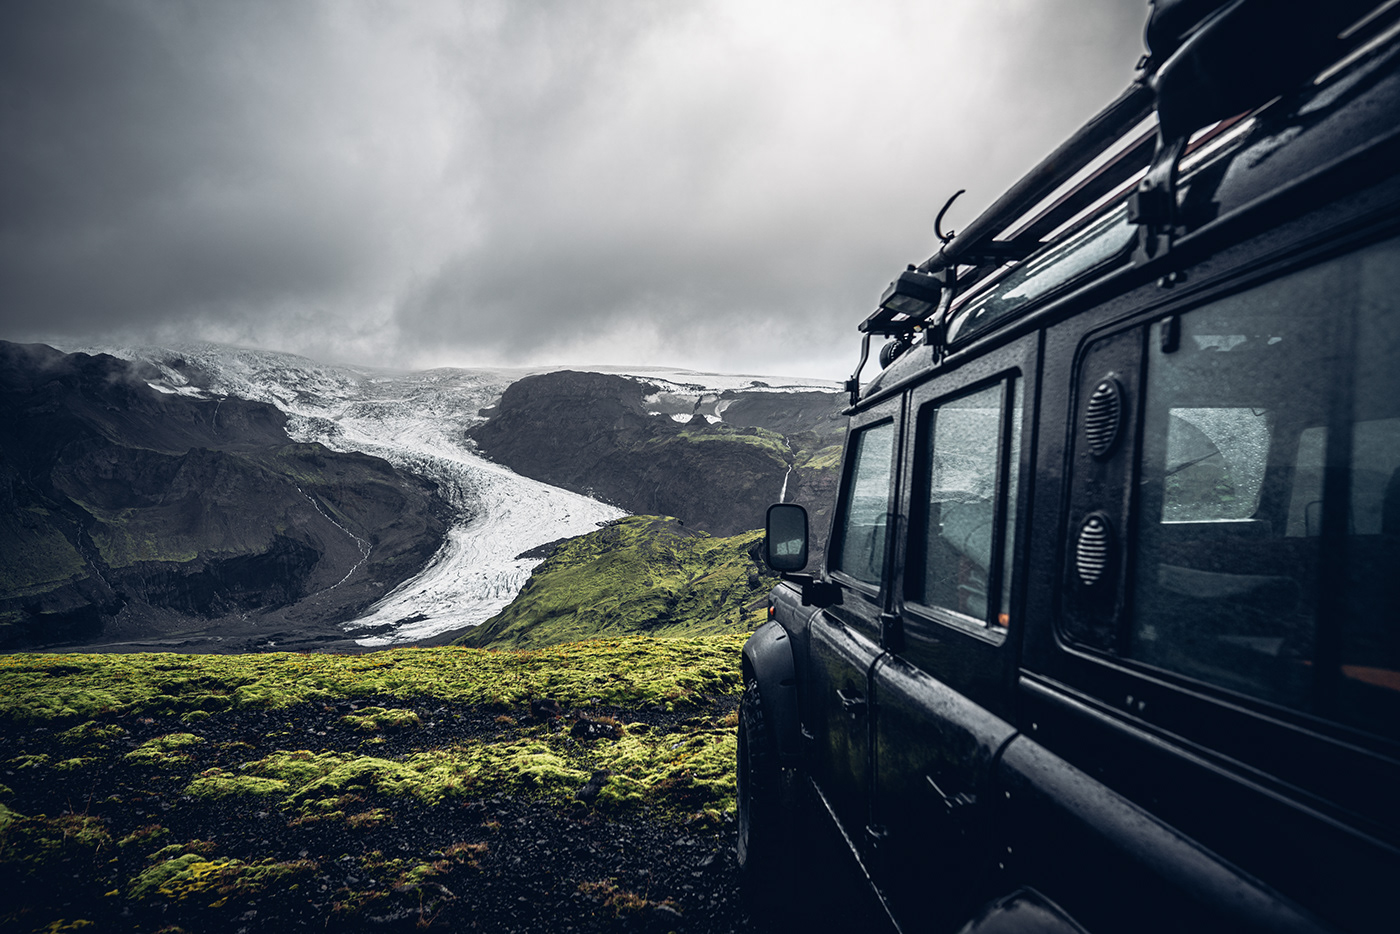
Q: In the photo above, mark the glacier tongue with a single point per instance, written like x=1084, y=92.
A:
x=415, y=421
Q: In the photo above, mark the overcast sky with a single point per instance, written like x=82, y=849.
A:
x=713, y=184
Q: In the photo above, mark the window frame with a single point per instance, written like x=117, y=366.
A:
x=924, y=422
x=885, y=414
x=1014, y=365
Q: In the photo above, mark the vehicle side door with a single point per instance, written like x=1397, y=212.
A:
x=944, y=690
x=1224, y=668
x=844, y=640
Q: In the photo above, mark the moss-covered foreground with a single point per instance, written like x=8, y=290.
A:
x=625, y=672
x=208, y=792
x=642, y=574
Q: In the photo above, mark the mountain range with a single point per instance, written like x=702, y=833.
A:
x=221, y=499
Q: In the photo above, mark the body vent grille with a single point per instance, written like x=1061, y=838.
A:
x=1103, y=418
x=1092, y=551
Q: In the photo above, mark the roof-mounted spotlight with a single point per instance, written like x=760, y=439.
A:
x=904, y=310
x=906, y=304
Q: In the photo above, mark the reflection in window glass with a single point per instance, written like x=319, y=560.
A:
x=962, y=442
x=1039, y=275
x=1305, y=499
x=862, y=524
x=1241, y=494
x=1222, y=592
x=1214, y=463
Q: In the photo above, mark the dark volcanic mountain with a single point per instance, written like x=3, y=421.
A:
x=599, y=434
x=128, y=513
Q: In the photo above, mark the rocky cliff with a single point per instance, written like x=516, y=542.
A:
x=615, y=438
x=132, y=513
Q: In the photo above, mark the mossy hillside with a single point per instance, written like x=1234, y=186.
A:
x=166, y=811
x=35, y=557
x=768, y=441
x=825, y=458
x=632, y=671
x=643, y=574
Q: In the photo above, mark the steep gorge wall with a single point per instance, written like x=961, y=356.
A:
x=122, y=505
x=592, y=433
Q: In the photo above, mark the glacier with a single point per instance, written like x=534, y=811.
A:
x=417, y=420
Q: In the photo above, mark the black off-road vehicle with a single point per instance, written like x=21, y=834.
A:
x=1107, y=634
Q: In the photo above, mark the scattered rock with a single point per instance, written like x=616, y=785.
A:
x=589, y=792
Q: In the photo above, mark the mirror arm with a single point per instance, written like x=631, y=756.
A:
x=815, y=592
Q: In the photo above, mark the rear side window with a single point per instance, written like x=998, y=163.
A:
x=964, y=503
x=1268, y=522
x=861, y=526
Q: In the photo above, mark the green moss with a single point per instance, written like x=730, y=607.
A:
x=827, y=458
x=378, y=718
x=630, y=671
x=193, y=876
x=29, y=843
x=37, y=760
x=64, y=926
x=92, y=734
x=70, y=765
x=129, y=536
x=216, y=783
x=371, y=818
x=427, y=776
x=643, y=574
x=164, y=751
x=678, y=773
x=770, y=442
x=35, y=556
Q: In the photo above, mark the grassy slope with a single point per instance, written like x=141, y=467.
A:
x=644, y=574
x=201, y=734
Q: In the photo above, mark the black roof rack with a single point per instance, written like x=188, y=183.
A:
x=1211, y=62
x=977, y=244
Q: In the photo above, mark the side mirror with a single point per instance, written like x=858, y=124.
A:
x=785, y=537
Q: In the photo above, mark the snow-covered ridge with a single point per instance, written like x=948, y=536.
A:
x=416, y=421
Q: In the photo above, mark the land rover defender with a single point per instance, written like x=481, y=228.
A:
x=1106, y=635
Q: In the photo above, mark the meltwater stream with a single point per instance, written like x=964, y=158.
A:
x=416, y=421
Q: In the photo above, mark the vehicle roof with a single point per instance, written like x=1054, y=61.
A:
x=1236, y=165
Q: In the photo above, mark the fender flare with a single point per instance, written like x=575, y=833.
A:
x=768, y=660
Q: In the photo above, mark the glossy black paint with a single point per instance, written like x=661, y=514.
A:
x=1036, y=776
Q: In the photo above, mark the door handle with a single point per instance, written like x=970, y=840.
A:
x=853, y=703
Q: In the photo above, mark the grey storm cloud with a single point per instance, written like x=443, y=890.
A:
x=720, y=183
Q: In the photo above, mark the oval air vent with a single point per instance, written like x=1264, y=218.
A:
x=1103, y=418
x=1092, y=551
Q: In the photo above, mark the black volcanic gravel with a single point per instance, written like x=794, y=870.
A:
x=542, y=868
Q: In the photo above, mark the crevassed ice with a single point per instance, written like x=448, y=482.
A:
x=416, y=421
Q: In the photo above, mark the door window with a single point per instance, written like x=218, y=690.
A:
x=861, y=527
x=964, y=535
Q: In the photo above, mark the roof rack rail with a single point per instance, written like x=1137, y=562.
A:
x=1211, y=62
x=976, y=243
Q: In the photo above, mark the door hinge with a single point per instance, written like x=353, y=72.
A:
x=853, y=703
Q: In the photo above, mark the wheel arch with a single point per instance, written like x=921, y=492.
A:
x=768, y=661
